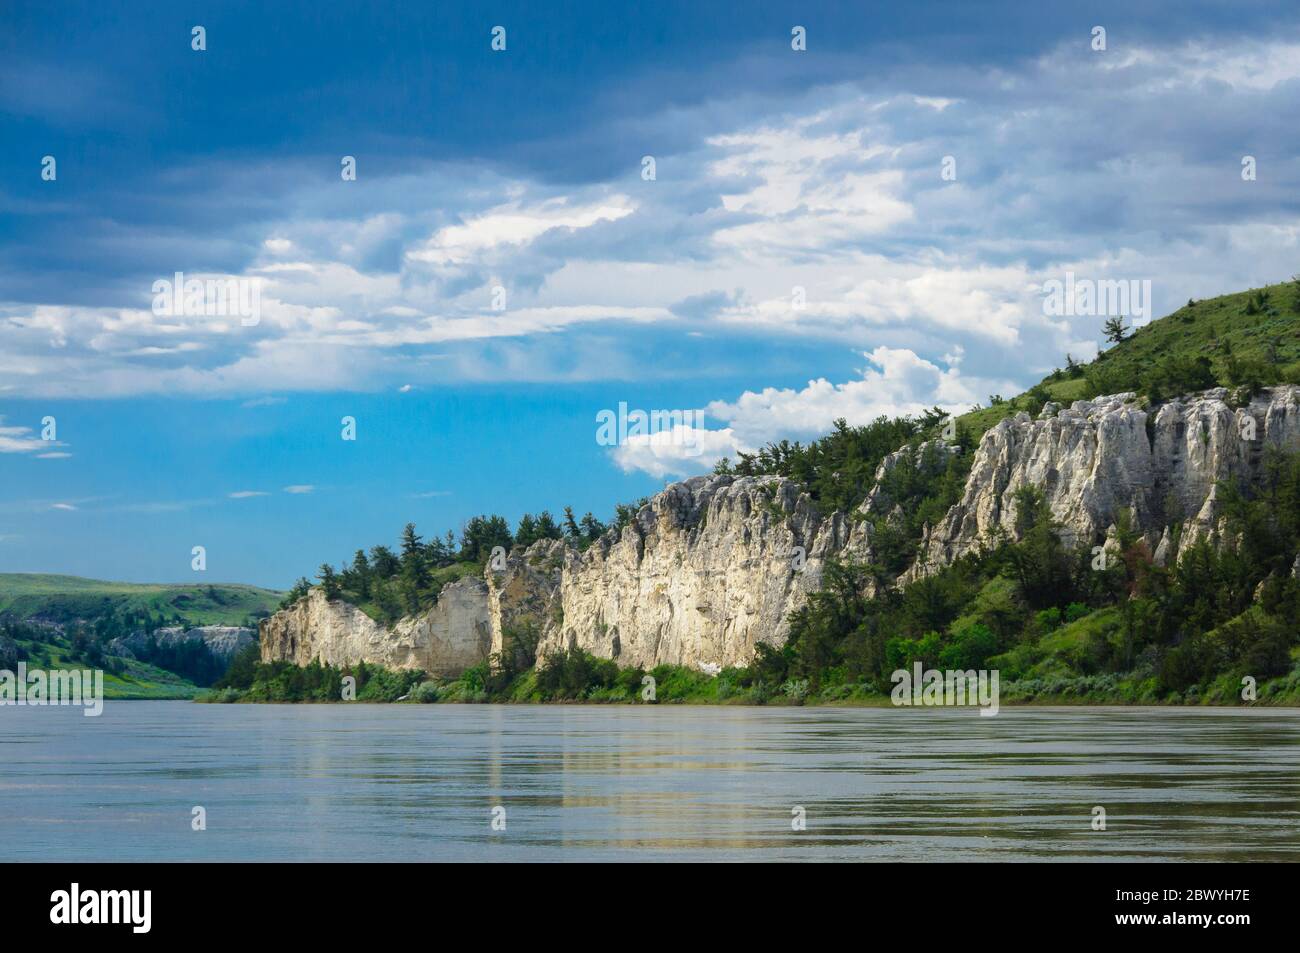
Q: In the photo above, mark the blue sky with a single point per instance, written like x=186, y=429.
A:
x=522, y=170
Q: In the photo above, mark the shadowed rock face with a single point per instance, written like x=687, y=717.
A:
x=223, y=641
x=522, y=595
x=714, y=565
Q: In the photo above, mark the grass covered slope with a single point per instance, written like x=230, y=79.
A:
x=124, y=678
x=64, y=598
x=1250, y=338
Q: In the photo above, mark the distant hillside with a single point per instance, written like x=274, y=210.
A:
x=64, y=598
x=123, y=677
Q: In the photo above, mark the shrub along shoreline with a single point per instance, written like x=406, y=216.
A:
x=577, y=677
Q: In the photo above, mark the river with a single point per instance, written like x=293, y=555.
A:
x=646, y=783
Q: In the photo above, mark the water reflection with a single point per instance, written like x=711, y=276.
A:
x=648, y=783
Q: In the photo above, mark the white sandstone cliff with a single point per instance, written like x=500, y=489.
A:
x=223, y=641
x=1100, y=458
x=714, y=565
x=707, y=569
x=447, y=639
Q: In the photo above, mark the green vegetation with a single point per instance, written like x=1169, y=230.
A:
x=249, y=679
x=838, y=469
x=570, y=676
x=387, y=585
x=79, y=619
x=1241, y=341
x=124, y=678
x=1056, y=625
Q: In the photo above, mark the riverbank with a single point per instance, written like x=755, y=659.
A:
x=583, y=679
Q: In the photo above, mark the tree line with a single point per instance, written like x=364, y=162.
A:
x=391, y=583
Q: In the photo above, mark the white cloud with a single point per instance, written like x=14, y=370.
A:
x=300, y=488
x=246, y=494
x=899, y=383
x=514, y=224
x=20, y=440
x=680, y=451
x=812, y=190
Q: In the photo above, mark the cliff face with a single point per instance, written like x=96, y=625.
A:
x=708, y=568
x=714, y=565
x=222, y=641
x=1100, y=458
x=522, y=596
x=452, y=636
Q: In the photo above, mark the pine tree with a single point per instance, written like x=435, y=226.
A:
x=547, y=528
x=410, y=541
x=383, y=562
x=328, y=580
x=415, y=572
x=526, y=533
x=592, y=528
x=361, y=573
x=481, y=535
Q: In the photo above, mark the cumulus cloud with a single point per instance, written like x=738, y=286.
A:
x=679, y=450
x=899, y=382
x=896, y=382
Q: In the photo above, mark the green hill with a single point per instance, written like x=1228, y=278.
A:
x=124, y=678
x=64, y=598
x=1250, y=338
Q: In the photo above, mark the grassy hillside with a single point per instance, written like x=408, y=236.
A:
x=64, y=598
x=92, y=613
x=123, y=678
x=1246, y=338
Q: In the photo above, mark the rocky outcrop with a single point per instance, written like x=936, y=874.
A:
x=452, y=636
x=705, y=571
x=1102, y=458
x=223, y=641
x=522, y=593
x=929, y=456
x=712, y=566
x=708, y=568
